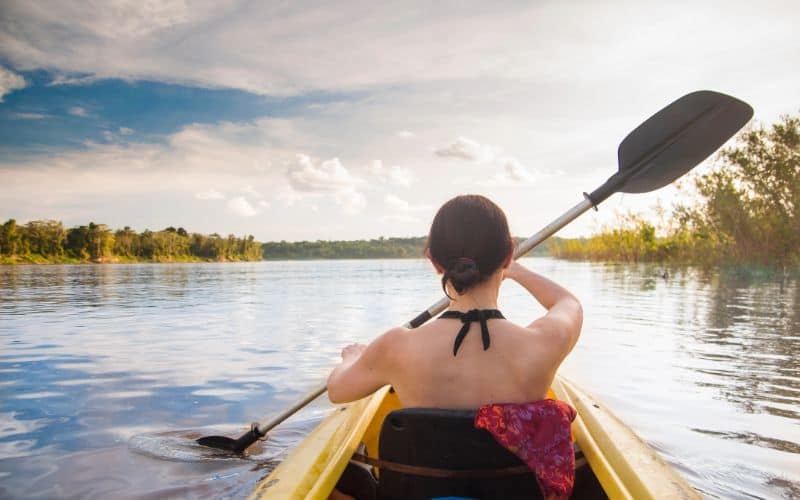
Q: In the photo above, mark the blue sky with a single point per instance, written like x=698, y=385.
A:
x=45, y=116
x=306, y=121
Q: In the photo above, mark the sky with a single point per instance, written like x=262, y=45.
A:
x=349, y=120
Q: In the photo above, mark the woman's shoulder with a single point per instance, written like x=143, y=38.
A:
x=537, y=348
x=389, y=342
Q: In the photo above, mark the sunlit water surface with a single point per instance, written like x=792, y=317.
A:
x=703, y=365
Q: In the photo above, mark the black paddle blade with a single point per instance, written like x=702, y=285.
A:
x=680, y=136
x=233, y=445
x=673, y=141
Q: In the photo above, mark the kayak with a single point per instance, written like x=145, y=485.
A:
x=621, y=464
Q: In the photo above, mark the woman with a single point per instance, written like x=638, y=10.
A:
x=482, y=361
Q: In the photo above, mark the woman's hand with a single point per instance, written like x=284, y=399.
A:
x=353, y=351
x=512, y=271
x=364, y=368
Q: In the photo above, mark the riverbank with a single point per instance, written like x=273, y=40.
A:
x=214, y=249
x=37, y=259
x=634, y=240
x=49, y=242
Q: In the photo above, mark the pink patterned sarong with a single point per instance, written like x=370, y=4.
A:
x=539, y=434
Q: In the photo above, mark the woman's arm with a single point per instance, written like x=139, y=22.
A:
x=564, y=316
x=364, y=369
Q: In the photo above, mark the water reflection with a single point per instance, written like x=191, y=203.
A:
x=703, y=365
x=751, y=335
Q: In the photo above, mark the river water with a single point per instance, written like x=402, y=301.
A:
x=703, y=365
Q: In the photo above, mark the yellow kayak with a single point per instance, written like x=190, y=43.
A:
x=623, y=464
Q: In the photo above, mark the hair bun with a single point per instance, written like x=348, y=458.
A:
x=469, y=241
x=463, y=273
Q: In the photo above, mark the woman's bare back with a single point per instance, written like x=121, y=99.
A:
x=515, y=368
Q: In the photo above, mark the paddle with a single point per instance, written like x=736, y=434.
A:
x=660, y=150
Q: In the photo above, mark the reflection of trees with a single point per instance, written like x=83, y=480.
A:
x=18, y=284
x=753, y=336
x=92, y=286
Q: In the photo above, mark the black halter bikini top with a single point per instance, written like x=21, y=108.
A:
x=467, y=318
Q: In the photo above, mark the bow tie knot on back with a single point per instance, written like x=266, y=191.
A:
x=469, y=317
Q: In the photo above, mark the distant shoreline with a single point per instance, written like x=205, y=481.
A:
x=68, y=261
x=5, y=261
x=47, y=242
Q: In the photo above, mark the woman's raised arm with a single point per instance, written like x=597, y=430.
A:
x=564, y=316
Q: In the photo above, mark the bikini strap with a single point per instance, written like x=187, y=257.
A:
x=479, y=315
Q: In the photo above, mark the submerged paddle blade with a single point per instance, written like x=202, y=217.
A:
x=218, y=442
x=673, y=141
x=232, y=445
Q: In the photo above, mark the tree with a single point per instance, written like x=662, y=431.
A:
x=750, y=205
x=126, y=242
x=77, y=244
x=746, y=210
x=45, y=237
x=100, y=241
x=10, y=238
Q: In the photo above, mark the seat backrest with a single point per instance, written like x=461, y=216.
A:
x=446, y=439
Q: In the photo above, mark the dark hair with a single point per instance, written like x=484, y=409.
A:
x=470, y=240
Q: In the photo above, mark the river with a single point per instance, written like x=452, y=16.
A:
x=704, y=365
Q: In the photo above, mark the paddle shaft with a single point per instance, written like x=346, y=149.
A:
x=440, y=305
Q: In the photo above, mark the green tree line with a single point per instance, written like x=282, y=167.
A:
x=44, y=241
x=358, y=249
x=745, y=210
x=48, y=241
x=381, y=248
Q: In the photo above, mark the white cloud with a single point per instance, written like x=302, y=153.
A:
x=62, y=79
x=220, y=156
x=241, y=207
x=393, y=175
x=308, y=178
x=126, y=131
x=516, y=172
x=351, y=201
x=328, y=176
x=209, y=194
x=78, y=111
x=396, y=203
x=290, y=197
x=9, y=82
x=258, y=195
x=400, y=205
x=512, y=171
x=250, y=190
x=31, y=116
x=405, y=134
x=356, y=48
x=466, y=149
x=397, y=218
x=108, y=135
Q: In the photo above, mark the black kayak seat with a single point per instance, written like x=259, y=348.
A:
x=446, y=439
